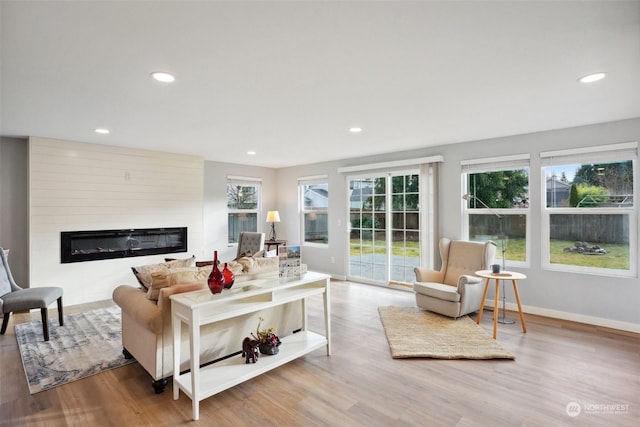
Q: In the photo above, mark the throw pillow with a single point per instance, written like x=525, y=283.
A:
x=172, y=276
x=246, y=262
x=143, y=272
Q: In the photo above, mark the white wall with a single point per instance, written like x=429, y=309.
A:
x=215, y=204
x=13, y=206
x=78, y=186
x=587, y=298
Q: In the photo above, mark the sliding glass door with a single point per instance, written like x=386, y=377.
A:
x=384, y=232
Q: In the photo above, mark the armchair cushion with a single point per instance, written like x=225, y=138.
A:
x=438, y=290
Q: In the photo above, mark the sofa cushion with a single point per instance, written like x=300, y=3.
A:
x=264, y=265
x=235, y=267
x=247, y=263
x=437, y=290
x=181, y=275
x=143, y=272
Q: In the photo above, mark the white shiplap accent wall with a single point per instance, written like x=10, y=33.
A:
x=79, y=186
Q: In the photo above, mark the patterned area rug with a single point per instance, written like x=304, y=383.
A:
x=87, y=344
x=412, y=332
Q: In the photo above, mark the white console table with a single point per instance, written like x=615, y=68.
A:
x=201, y=307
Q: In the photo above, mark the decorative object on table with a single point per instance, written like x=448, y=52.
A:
x=216, y=279
x=290, y=261
x=503, y=241
x=267, y=339
x=89, y=343
x=495, y=268
x=250, y=350
x=412, y=332
x=273, y=217
x=228, y=276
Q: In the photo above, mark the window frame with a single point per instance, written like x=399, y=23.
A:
x=303, y=183
x=596, y=154
x=497, y=164
x=245, y=182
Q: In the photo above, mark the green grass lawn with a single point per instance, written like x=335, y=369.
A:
x=617, y=256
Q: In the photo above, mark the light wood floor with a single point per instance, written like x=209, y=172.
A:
x=556, y=363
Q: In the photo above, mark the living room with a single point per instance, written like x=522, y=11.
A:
x=54, y=182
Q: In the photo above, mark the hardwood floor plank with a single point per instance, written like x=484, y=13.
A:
x=557, y=362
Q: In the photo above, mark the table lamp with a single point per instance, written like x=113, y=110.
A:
x=273, y=217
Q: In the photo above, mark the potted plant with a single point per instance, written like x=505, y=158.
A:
x=269, y=341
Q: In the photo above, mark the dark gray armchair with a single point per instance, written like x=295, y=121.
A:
x=13, y=298
x=249, y=244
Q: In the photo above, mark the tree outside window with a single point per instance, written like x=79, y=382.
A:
x=498, y=210
x=589, y=212
x=243, y=201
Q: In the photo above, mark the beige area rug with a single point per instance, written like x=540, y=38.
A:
x=412, y=332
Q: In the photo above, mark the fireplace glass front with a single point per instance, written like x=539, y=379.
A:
x=78, y=246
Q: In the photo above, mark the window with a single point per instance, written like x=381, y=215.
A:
x=314, y=207
x=590, y=215
x=243, y=206
x=497, y=205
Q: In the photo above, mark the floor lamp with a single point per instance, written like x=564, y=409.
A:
x=501, y=319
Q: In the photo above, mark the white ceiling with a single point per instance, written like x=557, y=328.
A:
x=287, y=79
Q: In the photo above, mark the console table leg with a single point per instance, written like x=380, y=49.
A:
x=304, y=314
x=194, y=338
x=327, y=315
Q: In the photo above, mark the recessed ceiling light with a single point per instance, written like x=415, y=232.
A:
x=102, y=131
x=251, y=153
x=355, y=130
x=593, y=77
x=163, y=77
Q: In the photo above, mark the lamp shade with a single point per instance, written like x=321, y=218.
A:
x=273, y=216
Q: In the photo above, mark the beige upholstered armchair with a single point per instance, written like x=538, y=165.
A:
x=454, y=290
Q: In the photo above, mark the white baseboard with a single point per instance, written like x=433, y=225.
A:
x=580, y=318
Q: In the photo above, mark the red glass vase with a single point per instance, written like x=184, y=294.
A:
x=228, y=276
x=216, y=279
